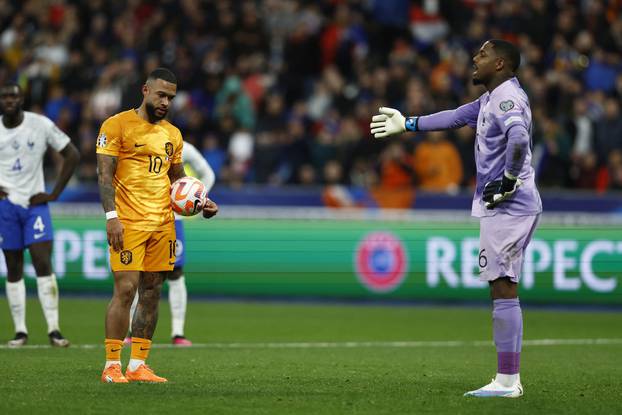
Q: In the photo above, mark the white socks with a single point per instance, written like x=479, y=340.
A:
x=507, y=380
x=134, y=364
x=48, y=297
x=178, y=298
x=16, y=296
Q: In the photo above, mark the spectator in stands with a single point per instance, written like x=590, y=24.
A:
x=335, y=194
x=465, y=144
x=610, y=176
x=437, y=164
x=306, y=175
x=608, y=136
x=233, y=101
x=214, y=155
x=555, y=146
x=583, y=168
x=396, y=177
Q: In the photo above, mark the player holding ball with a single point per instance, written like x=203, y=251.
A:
x=139, y=155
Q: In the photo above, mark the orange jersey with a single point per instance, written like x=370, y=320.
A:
x=145, y=153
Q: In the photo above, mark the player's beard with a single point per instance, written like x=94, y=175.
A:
x=151, y=113
x=10, y=111
x=13, y=116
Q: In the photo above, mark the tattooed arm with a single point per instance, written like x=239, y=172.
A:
x=106, y=168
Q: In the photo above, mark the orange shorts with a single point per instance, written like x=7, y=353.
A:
x=151, y=251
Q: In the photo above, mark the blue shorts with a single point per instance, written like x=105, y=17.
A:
x=180, y=242
x=21, y=227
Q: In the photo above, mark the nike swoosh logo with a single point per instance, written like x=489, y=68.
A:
x=39, y=235
x=171, y=263
x=114, y=350
x=139, y=145
x=142, y=348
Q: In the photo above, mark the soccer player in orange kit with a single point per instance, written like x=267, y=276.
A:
x=138, y=157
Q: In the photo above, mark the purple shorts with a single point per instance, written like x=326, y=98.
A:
x=502, y=242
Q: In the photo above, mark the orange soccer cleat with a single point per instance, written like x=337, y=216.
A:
x=144, y=374
x=113, y=374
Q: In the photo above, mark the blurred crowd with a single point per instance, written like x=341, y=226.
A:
x=281, y=92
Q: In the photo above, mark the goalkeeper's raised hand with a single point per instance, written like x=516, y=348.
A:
x=497, y=191
x=390, y=122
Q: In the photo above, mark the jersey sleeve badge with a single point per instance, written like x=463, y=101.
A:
x=101, y=140
x=505, y=106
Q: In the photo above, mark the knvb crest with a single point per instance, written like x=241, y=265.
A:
x=168, y=148
x=125, y=257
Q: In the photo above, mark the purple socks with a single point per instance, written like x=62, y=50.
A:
x=507, y=322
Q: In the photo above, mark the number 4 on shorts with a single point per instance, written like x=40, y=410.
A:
x=38, y=225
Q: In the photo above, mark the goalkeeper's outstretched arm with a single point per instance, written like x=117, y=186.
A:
x=390, y=121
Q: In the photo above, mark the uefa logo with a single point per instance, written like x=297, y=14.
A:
x=381, y=262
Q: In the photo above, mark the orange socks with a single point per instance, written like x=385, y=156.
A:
x=113, y=349
x=140, y=348
x=140, y=352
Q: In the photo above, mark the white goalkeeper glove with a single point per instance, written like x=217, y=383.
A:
x=390, y=122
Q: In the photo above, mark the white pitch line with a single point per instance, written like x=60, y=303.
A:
x=352, y=345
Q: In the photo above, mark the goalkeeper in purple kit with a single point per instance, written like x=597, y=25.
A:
x=506, y=198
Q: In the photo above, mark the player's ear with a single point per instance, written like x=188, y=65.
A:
x=500, y=63
x=145, y=89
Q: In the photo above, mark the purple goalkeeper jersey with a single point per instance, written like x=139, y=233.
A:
x=502, y=119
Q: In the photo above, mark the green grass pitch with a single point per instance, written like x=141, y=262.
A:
x=280, y=358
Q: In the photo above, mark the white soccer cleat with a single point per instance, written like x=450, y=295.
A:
x=19, y=340
x=57, y=339
x=496, y=390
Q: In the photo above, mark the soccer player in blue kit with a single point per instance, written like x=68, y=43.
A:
x=506, y=199
x=25, y=220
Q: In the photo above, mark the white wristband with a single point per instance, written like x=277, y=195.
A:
x=111, y=215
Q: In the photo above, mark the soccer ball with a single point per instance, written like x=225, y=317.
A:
x=188, y=195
